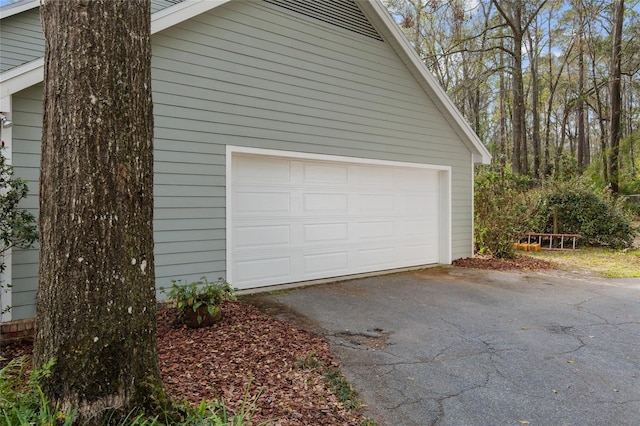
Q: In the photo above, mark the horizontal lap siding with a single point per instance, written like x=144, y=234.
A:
x=21, y=39
x=256, y=75
x=27, y=132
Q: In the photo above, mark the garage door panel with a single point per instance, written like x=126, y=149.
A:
x=378, y=229
x=376, y=203
x=251, y=202
x=413, y=253
x=295, y=220
x=250, y=169
x=272, y=269
x=376, y=257
x=257, y=236
x=323, y=232
x=323, y=202
x=325, y=173
x=326, y=263
x=422, y=229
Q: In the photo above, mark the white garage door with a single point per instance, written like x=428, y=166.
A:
x=295, y=219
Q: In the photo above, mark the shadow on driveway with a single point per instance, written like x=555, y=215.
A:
x=452, y=346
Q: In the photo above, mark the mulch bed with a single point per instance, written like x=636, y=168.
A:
x=247, y=356
x=521, y=262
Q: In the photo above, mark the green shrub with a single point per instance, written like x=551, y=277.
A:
x=21, y=399
x=17, y=226
x=501, y=210
x=598, y=216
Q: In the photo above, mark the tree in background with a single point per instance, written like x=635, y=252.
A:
x=96, y=301
x=616, y=98
x=541, y=74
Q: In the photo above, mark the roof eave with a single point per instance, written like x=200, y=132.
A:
x=14, y=9
x=391, y=32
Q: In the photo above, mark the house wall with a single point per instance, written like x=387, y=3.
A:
x=21, y=39
x=256, y=75
x=27, y=133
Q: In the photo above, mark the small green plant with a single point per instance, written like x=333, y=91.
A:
x=342, y=389
x=217, y=410
x=309, y=362
x=199, y=298
x=21, y=399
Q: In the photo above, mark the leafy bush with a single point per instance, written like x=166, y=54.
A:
x=17, y=226
x=501, y=210
x=598, y=216
x=21, y=399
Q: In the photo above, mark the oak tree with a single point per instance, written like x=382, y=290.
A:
x=96, y=302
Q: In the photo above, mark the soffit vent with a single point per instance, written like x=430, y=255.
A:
x=342, y=13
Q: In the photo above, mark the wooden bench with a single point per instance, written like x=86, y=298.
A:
x=559, y=238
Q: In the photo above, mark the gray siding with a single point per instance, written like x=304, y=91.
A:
x=27, y=133
x=257, y=75
x=21, y=39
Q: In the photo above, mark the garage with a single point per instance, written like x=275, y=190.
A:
x=294, y=217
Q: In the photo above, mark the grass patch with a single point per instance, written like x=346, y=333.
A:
x=603, y=262
x=339, y=384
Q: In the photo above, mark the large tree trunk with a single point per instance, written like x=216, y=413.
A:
x=614, y=134
x=96, y=297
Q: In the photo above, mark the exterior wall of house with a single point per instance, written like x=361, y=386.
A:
x=22, y=39
x=27, y=133
x=257, y=75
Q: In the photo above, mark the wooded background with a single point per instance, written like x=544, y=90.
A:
x=552, y=87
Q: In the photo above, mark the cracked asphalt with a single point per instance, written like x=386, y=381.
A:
x=453, y=346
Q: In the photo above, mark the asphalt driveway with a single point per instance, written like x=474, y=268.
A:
x=450, y=346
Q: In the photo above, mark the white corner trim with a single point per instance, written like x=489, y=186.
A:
x=228, y=205
x=22, y=77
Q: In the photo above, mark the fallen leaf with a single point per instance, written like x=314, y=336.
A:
x=523, y=422
x=571, y=361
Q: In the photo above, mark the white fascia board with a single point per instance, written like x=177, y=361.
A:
x=31, y=73
x=404, y=49
x=22, y=77
x=14, y=9
x=187, y=9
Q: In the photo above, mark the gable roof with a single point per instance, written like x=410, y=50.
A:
x=173, y=12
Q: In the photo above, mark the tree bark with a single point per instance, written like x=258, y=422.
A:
x=584, y=151
x=96, y=298
x=535, y=102
x=616, y=99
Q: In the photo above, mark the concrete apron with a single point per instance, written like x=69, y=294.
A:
x=452, y=346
